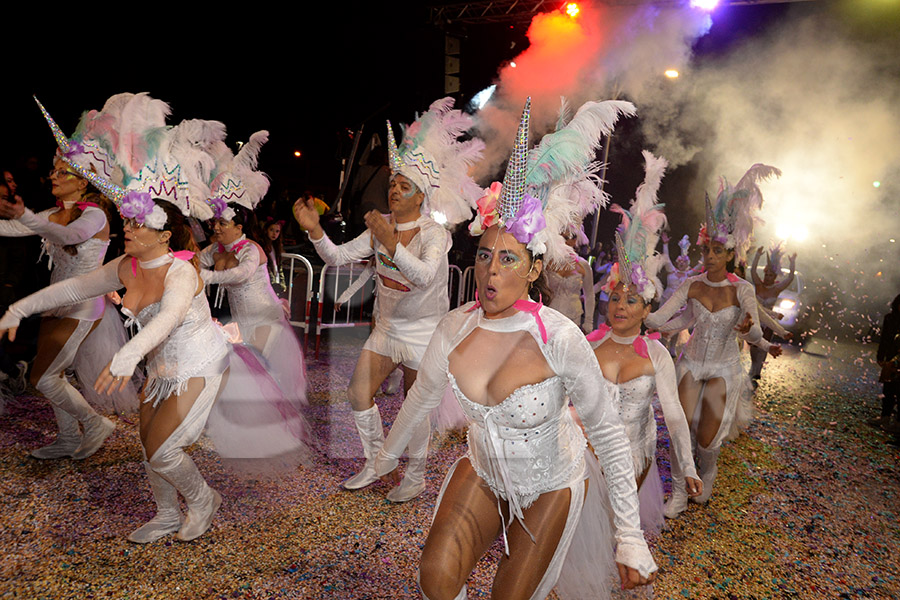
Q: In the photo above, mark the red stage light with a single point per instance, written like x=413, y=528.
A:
x=572, y=9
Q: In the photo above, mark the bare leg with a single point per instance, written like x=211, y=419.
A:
x=520, y=573
x=464, y=527
x=708, y=444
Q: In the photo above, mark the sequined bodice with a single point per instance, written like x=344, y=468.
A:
x=714, y=337
x=89, y=256
x=531, y=435
x=566, y=293
x=254, y=301
x=634, y=404
x=191, y=347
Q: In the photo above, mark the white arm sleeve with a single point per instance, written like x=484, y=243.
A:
x=659, y=320
x=91, y=222
x=768, y=320
x=421, y=271
x=207, y=260
x=64, y=293
x=14, y=228
x=676, y=422
x=747, y=299
x=571, y=357
x=587, y=288
x=356, y=249
x=180, y=286
x=248, y=261
x=425, y=395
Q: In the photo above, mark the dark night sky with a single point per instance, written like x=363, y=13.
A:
x=309, y=76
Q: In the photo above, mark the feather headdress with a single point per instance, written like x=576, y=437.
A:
x=637, y=261
x=734, y=216
x=553, y=185
x=235, y=179
x=437, y=162
x=775, y=254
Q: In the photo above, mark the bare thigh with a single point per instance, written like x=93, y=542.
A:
x=465, y=526
x=712, y=410
x=689, y=394
x=158, y=423
x=409, y=378
x=370, y=372
x=520, y=573
x=52, y=336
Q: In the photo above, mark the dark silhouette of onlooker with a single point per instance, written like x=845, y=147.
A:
x=888, y=358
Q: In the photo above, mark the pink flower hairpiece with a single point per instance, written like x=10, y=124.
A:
x=486, y=214
x=141, y=207
x=529, y=220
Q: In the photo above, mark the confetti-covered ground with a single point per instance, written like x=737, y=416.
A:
x=806, y=506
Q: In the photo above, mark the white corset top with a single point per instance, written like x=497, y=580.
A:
x=714, y=339
x=195, y=348
x=635, y=408
x=89, y=255
x=526, y=445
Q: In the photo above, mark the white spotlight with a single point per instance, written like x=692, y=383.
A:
x=482, y=97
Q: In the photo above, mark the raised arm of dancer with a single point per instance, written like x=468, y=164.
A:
x=659, y=320
x=756, y=280
x=570, y=356
x=64, y=293
x=676, y=422
x=248, y=261
x=356, y=249
x=590, y=300
x=91, y=221
x=780, y=287
x=180, y=287
x=667, y=261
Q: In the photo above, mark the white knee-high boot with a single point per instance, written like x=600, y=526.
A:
x=67, y=440
x=371, y=433
x=707, y=459
x=413, y=482
x=168, y=514
x=57, y=389
x=176, y=467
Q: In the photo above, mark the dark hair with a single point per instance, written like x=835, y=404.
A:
x=539, y=290
x=268, y=246
x=182, y=236
x=895, y=305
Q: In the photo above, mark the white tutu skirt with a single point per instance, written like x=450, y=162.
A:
x=253, y=426
x=95, y=352
x=285, y=360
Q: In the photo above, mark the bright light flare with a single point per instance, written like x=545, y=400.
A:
x=297, y=153
x=876, y=184
x=707, y=5
x=513, y=64
x=672, y=73
x=482, y=97
x=796, y=231
x=572, y=9
x=439, y=217
x=786, y=304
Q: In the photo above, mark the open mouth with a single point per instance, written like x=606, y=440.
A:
x=490, y=292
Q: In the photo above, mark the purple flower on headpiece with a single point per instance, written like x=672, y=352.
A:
x=640, y=280
x=74, y=148
x=528, y=221
x=218, y=205
x=136, y=205
x=721, y=233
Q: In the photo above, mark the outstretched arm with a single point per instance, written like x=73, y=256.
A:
x=659, y=320
x=756, y=280
x=86, y=226
x=248, y=261
x=64, y=293
x=590, y=300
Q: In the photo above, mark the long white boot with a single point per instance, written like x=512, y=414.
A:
x=371, y=433
x=168, y=515
x=65, y=397
x=707, y=460
x=178, y=469
x=67, y=440
x=678, y=500
x=413, y=482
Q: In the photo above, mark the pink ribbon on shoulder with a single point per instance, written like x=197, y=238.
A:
x=81, y=205
x=599, y=333
x=236, y=248
x=732, y=278
x=183, y=255
x=640, y=345
x=134, y=263
x=524, y=306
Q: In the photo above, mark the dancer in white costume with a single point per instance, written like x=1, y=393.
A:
x=513, y=364
x=720, y=306
x=187, y=358
x=767, y=290
x=640, y=366
x=87, y=334
x=430, y=174
x=239, y=264
x=569, y=285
